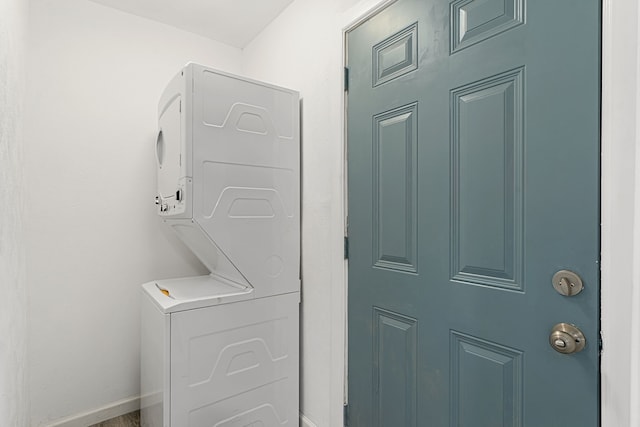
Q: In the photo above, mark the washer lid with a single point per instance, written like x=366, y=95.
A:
x=173, y=295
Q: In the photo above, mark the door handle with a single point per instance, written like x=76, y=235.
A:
x=566, y=338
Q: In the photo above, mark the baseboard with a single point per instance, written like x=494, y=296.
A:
x=120, y=408
x=306, y=422
x=101, y=414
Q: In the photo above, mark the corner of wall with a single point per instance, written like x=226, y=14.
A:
x=14, y=402
x=620, y=215
x=635, y=300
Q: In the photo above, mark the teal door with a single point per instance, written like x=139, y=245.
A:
x=473, y=177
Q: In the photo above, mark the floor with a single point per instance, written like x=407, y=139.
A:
x=131, y=419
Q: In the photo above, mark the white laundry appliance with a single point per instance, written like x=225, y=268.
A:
x=222, y=350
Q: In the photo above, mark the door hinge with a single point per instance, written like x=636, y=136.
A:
x=600, y=343
x=345, y=415
x=346, y=247
x=346, y=79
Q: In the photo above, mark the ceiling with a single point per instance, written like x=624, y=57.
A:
x=234, y=22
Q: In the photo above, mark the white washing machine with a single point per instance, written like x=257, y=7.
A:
x=222, y=350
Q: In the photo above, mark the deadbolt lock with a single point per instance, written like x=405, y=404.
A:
x=566, y=338
x=567, y=283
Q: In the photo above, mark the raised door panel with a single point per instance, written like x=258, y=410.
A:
x=395, y=194
x=487, y=188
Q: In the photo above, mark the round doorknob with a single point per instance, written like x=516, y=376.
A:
x=566, y=338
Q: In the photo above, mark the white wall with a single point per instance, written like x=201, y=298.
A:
x=620, y=214
x=301, y=49
x=13, y=297
x=92, y=235
x=635, y=284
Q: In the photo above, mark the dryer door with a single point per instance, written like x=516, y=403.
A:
x=169, y=160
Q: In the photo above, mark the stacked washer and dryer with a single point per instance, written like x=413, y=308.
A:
x=222, y=350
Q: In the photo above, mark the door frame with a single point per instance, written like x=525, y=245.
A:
x=620, y=208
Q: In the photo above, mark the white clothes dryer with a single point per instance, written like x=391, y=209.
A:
x=223, y=349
